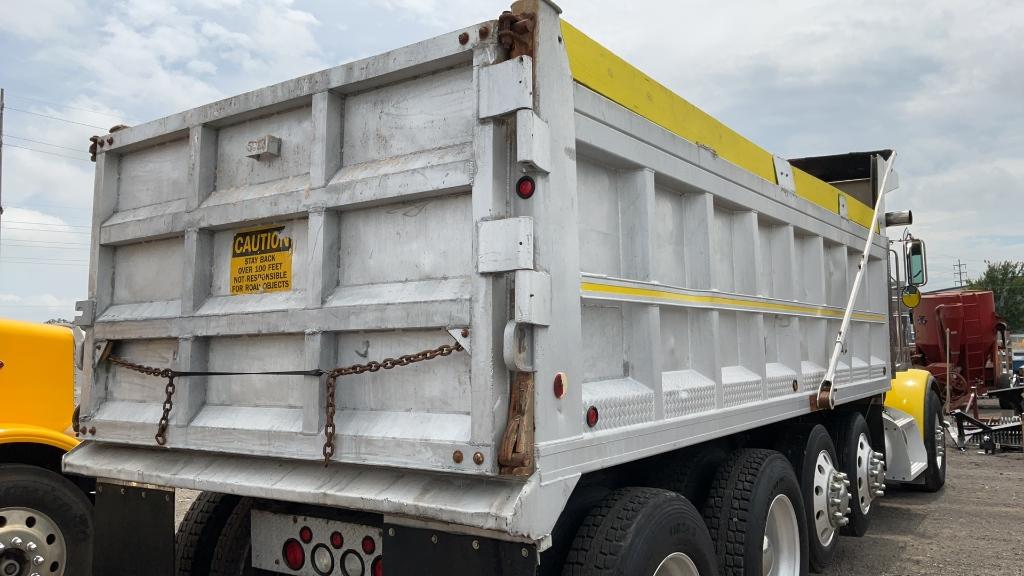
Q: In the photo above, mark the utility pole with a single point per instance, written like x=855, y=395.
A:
x=960, y=273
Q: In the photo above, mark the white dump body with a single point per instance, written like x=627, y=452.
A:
x=682, y=296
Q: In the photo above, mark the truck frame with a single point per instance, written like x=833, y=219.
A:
x=621, y=303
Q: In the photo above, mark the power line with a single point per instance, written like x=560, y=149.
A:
x=31, y=259
x=44, y=244
x=34, y=305
x=43, y=143
x=56, y=118
x=47, y=152
x=45, y=230
x=69, y=107
x=48, y=224
x=44, y=263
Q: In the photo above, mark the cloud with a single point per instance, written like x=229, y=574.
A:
x=800, y=78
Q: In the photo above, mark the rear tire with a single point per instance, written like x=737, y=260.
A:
x=755, y=514
x=934, y=443
x=642, y=531
x=233, y=554
x=808, y=447
x=198, y=532
x=688, y=473
x=854, y=449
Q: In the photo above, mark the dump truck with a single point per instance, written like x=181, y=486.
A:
x=496, y=302
x=45, y=517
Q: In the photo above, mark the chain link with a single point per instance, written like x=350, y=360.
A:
x=332, y=385
x=374, y=366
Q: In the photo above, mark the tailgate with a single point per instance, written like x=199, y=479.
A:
x=325, y=221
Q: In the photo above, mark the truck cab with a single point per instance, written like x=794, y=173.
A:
x=45, y=517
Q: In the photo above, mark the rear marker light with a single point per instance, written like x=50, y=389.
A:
x=294, y=555
x=337, y=540
x=369, y=546
x=323, y=560
x=525, y=187
x=352, y=563
x=592, y=416
x=306, y=534
x=559, y=385
x=377, y=568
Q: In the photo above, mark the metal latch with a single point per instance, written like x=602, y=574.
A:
x=263, y=148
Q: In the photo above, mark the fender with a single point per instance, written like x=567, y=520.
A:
x=11, y=433
x=909, y=389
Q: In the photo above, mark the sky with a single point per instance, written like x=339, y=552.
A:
x=939, y=81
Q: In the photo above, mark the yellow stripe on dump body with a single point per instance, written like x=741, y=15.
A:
x=597, y=68
x=725, y=301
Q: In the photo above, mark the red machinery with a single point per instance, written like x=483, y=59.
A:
x=975, y=361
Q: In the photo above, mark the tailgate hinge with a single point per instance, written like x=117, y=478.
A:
x=515, y=33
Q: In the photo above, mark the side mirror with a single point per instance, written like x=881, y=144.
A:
x=917, y=267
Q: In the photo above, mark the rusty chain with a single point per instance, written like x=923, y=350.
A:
x=161, y=428
x=332, y=379
x=374, y=366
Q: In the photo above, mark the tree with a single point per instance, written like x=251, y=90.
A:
x=1006, y=281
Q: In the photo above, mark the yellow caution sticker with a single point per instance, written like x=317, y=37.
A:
x=261, y=261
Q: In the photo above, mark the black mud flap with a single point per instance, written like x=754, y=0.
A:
x=134, y=531
x=415, y=551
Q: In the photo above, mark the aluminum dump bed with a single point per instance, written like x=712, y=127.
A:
x=668, y=282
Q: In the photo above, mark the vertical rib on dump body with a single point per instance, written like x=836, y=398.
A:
x=686, y=283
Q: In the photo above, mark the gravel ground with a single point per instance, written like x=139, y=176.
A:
x=972, y=527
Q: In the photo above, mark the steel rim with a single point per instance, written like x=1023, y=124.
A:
x=864, y=455
x=30, y=543
x=677, y=564
x=940, y=444
x=824, y=471
x=780, y=550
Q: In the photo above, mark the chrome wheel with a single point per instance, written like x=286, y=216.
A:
x=864, y=456
x=831, y=499
x=677, y=564
x=780, y=550
x=30, y=543
x=940, y=444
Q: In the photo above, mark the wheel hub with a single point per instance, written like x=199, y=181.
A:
x=677, y=564
x=780, y=549
x=30, y=544
x=831, y=498
x=870, y=473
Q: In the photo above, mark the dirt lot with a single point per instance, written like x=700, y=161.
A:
x=973, y=527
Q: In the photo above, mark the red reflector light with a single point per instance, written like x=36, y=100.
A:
x=559, y=385
x=377, y=568
x=294, y=555
x=306, y=534
x=337, y=540
x=369, y=546
x=592, y=416
x=525, y=187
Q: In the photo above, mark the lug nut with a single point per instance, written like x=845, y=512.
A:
x=2, y=547
x=38, y=560
x=836, y=501
x=16, y=542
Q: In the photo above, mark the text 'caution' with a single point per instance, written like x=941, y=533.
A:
x=261, y=261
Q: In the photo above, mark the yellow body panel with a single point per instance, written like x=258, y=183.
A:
x=12, y=432
x=909, y=389
x=36, y=383
x=597, y=68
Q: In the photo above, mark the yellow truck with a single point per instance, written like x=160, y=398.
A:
x=46, y=521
